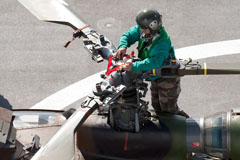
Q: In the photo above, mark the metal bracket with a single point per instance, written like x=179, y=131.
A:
x=5, y=124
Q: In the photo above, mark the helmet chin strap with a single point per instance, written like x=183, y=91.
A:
x=146, y=36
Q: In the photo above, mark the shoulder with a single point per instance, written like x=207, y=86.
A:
x=161, y=43
x=162, y=39
x=164, y=35
x=135, y=28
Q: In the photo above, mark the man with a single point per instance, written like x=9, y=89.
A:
x=154, y=49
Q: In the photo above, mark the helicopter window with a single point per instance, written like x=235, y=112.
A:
x=25, y=119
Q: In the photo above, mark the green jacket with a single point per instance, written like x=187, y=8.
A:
x=152, y=56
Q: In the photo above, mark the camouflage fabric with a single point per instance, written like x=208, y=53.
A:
x=164, y=95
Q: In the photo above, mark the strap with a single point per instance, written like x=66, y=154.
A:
x=109, y=64
x=78, y=33
x=117, y=67
x=130, y=55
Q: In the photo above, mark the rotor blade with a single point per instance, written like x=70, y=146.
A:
x=228, y=66
x=195, y=68
x=210, y=69
x=56, y=11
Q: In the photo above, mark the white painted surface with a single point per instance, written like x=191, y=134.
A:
x=78, y=90
x=209, y=50
x=69, y=95
x=65, y=148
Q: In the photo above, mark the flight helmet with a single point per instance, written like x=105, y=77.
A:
x=149, y=18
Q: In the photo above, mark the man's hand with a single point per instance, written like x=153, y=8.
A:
x=120, y=53
x=127, y=66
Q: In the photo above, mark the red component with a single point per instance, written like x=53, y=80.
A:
x=109, y=64
x=98, y=86
x=88, y=114
x=116, y=68
x=196, y=144
x=115, y=83
x=66, y=45
x=78, y=30
x=126, y=140
x=130, y=55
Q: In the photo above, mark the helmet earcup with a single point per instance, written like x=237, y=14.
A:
x=153, y=25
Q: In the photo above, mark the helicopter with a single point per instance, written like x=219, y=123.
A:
x=101, y=48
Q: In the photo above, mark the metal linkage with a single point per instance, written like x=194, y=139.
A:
x=98, y=46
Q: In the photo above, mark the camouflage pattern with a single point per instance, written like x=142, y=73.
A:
x=164, y=95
